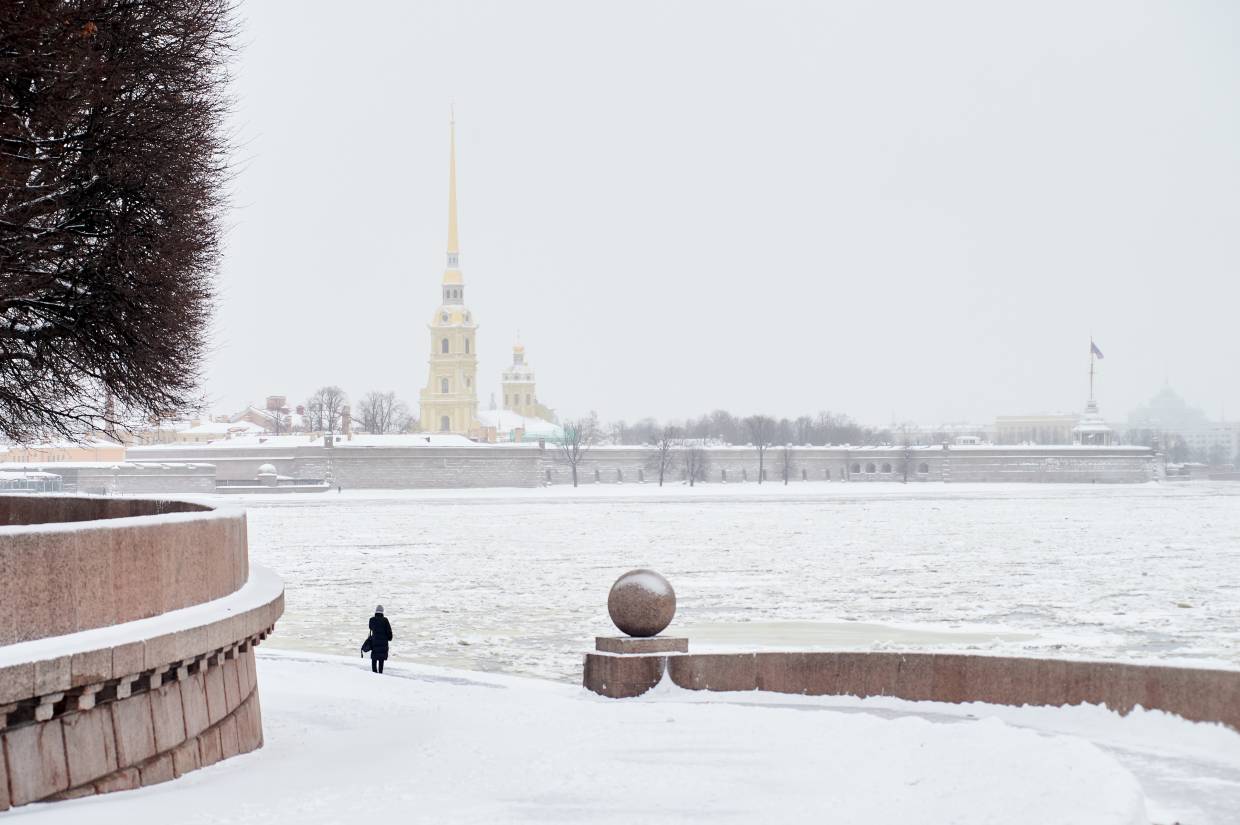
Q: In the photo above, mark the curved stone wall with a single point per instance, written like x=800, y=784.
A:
x=70, y=563
x=150, y=673
x=1197, y=694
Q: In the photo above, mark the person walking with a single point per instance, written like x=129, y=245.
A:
x=380, y=635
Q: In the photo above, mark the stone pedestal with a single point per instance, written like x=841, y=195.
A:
x=651, y=644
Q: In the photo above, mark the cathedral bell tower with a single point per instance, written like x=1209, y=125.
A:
x=449, y=402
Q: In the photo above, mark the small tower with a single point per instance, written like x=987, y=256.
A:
x=1092, y=429
x=517, y=385
x=449, y=402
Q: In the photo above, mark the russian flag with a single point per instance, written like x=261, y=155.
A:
x=1093, y=349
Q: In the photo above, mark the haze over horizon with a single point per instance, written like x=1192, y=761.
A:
x=913, y=212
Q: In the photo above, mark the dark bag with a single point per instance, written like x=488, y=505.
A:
x=369, y=644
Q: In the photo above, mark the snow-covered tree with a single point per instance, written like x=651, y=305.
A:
x=111, y=187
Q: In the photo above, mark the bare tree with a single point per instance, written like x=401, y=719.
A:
x=661, y=462
x=761, y=429
x=112, y=166
x=786, y=463
x=383, y=412
x=579, y=436
x=694, y=460
x=324, y=409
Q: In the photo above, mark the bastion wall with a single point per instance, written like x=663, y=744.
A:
x=127, y=630
x=370, y=467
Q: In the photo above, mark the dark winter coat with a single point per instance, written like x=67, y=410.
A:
x=380, y=635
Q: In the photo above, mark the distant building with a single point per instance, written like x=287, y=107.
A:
x=517, y=384
x=94, y=449
x=205, y=432
x=1039, y=428
x=1171, y=419
x=449, y=402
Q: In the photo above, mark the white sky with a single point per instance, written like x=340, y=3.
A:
x=910, y=209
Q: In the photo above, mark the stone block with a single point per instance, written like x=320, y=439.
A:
x=915, y=677
x=73, y=793
x=622, y=676
x=125, y=779
x=230, y=741
x=192, y=643
x=157, y=770
x=1047, y=682
x=780, y=672
x=135, y=733
x=190, y=573
x=879, y=674
x=997, y=680
x=94, y=588
x=194, y=704
x=651, y=644
x=723, y=671
x=168, y=717
x=128, y=659
x=185, y=757
x=209, y=750
x=949, y=683
x=232, y=684
x=219, y=635
x=138, y=565
x=90, y=668
x=90, y=745
x=39, y=594
x=16, y=682
x=51, y=675
x=36, y=761
x=250, y=725
x=5, y=803
x=1213, y=696
x=217, y=707
x=245, y=674
x=160, y=651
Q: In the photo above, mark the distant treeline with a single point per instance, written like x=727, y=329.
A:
x=723, y=427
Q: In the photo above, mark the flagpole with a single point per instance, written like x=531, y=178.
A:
x=1091, y=369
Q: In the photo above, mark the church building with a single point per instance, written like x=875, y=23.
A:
x=449, y=402
x=517, y=385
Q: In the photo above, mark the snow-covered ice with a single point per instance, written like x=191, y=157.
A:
x=423, y=744
x=517, y=580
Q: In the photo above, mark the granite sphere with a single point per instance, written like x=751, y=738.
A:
x=641, y=603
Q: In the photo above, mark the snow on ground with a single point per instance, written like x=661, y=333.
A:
x=423, y=744
x=517, y=580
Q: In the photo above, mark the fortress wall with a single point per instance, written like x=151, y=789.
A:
x=732, y=465
x=417, y=467
x=528, y=466
x=127, y=629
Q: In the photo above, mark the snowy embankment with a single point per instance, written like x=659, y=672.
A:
x=429, y=745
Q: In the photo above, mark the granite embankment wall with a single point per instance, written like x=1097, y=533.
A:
x=530, y=466
x=1197, y=694
x=126, y=643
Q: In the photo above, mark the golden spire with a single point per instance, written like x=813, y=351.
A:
x=453, y=247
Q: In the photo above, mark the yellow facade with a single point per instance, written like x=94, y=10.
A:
x=449, y=402
x=517, y=385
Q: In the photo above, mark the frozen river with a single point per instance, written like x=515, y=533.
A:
x=517, y=580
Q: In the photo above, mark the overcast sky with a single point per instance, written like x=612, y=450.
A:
x=919, y=210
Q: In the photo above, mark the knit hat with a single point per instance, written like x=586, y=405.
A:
x=379, y=609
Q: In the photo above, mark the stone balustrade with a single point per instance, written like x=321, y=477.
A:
x=148, y=671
